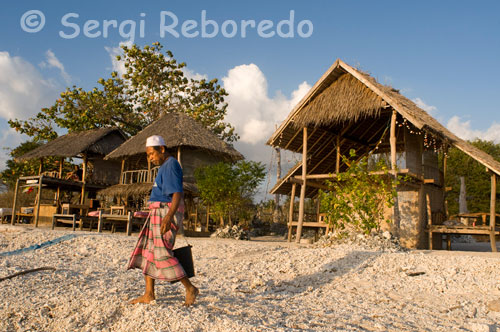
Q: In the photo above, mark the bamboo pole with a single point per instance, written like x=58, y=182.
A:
x=337, y=164
x=392, y=141
x=14, y=206
x=40, y=169
x=303, y=186
x=290, y=213
x=38, y=199
x=122, y=178
x=445, y=167
x=179, y=155
x=82, y=197
x=208, y=216
x=492, y=211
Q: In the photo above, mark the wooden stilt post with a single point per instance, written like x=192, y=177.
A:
x=38, y=199
x=290, y=215
x=492, y=211
x=445, y=167
x=40, y=169
x=84, y=180
x=122, y=176
x=58, y=193
x=303, y=185
x=99, y=222
x=14, y=206
x=129, y=223
x=392, y=141
x=208, y=216
x=337, y=164
x=179, y=155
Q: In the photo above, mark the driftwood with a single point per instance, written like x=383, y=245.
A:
x=28, y=271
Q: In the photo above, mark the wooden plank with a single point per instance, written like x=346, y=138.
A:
x=309, y=224
x=290, y=212
x=492, y=211
x=303, y=186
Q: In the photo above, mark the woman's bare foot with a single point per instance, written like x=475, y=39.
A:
x=146, y=298
x=191, y=294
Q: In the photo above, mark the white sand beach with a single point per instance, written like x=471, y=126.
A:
x=245, y=286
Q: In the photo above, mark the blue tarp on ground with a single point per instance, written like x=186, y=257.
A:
x=38, y=246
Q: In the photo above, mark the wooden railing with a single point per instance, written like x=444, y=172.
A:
x=139, y=176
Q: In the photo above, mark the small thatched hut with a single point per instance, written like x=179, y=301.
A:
x=347, y=109
x=91, y=146
x=192, y=144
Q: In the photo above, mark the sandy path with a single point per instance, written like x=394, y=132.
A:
x=245, y=286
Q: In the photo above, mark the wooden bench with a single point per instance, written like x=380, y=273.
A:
x=72, y=218
x=461, y=229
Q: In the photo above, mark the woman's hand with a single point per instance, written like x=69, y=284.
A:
x=166, y=223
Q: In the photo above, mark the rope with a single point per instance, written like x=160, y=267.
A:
x=38, y=246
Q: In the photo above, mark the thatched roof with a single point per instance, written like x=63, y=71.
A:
x=177, y=129
x=343, y=99
x=97, y=141
x=137, y=190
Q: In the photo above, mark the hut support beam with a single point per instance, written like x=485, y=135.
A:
x=14, y=206
x=84, y=180
x=40, y=169
x=179, y=155
x=290, y=212
x=38, y=199
x=337, y=163
x=303, y=186
x=392, y=141
x=492, y=211
x=122, y=177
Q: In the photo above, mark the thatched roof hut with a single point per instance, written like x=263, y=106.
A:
x=346, y=95
x=190, y=142
x=178, y=130
x=348, y=109
x=93, y=142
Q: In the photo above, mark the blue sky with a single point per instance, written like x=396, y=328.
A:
x=441, y=54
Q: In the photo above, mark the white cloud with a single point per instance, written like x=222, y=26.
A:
x=250, y=109
x=190, y=74
x=428, y=108
x=118, y=66
x=463, y=130
x=255, y=115
x=23, y=90
x=53, y=62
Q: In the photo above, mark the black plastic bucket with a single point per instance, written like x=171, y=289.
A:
x=185, y=258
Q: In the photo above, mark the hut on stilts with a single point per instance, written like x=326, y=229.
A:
x=187, y=140
x=348, y=109
x=91, y=146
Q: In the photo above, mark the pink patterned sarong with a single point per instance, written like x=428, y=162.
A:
x=153, y=252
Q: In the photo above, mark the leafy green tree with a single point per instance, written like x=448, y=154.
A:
x=356, y=197
x=229, y=189
x=154, y=84
x=477, y=180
